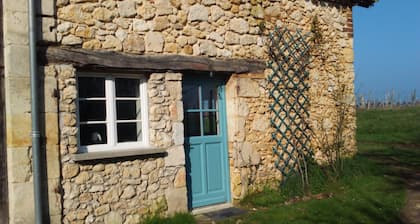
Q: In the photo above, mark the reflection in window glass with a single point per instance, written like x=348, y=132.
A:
x=127, y=87
x=192, y=127
x=210, y=123
x=93, y=134
x=129, y=132
x=190, y=94
x=92, y=110
x=91, y=87
x=128, y=110
x=209, y=97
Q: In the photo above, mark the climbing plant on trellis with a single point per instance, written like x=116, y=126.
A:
x=288, y=59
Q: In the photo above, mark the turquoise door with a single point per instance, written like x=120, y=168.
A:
x=206, y=141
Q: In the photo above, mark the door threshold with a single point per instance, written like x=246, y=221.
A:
x=211, y=208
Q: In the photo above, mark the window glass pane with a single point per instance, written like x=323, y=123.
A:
x=190, y=94
x=129, y=132
x=192, y=124
x=91, y=87
x=209, y=97
x=127, y=87
x=93, y=134
x=92, y=110
x=128, y=110
x=210, y=123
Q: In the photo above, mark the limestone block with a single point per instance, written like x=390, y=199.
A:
x=154, y=42
x=176, y=111
x=50, y=100
x=146, y=11
x=18, y=130
x=92, y=44
x=232, y=38
x=208, y=48
x=102, y=210
x=48, y=7
x=15, y=28
x=261, y=123
x=257, y=11
x=15, y=5
x=240, y=26
x=180, y=178
x=140, y=25
x=248, y=88
x=208, y=2
x=70, y=170
x=177, y=200
x=148, y=167
x=111, y=42
x=103, y=14
x=54, y=197
x=71, y=40
x=248, y=40
x=21, y=210
x=178, y=133
x=132, y=219
x=75, y=13
x=19, y=165
x=18, y=99
x=128, y=192
x=48, y=29
x=163, y=7
x=127, y=8
x=176, y=156
x=160, y=23
x=113, y=218
x=16, y=61
x=198, y=12
x=53, y=161
x=216, y=13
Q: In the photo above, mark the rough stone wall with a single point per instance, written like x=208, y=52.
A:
x=250, y=145
x=18, y=122
x=121, y=190
x=214, y=28
x=221, y=28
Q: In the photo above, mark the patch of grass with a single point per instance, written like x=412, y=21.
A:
x=389, y=126
x=178, y=218
x=371, y=188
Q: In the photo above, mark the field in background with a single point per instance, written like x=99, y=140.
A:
x=372, y=188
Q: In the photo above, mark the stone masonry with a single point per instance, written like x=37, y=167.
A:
x=123, y=190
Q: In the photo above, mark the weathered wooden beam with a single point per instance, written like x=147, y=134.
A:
x=116, y=60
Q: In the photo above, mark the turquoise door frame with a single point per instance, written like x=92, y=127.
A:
x=205, y=127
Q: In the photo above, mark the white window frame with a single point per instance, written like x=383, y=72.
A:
x=111, y=115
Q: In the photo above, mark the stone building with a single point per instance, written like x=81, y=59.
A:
x=155, y=106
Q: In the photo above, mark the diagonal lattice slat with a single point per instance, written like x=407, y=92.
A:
x=289, y=57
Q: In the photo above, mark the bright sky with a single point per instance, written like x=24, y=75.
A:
x=387, y=48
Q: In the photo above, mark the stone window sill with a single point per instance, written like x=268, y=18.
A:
x=111, y=154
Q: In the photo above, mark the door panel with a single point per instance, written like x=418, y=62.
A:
x=206, y=143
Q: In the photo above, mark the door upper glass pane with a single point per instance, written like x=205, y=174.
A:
x=209, y=97
x=192, y=124
x=210, y=123
x=91, y=87
x=191, y=97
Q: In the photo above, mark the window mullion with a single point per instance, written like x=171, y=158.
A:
x=110, y=107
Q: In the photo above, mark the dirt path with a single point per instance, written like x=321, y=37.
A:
x=411, y=211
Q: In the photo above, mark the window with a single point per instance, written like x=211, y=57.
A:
x=112, y=112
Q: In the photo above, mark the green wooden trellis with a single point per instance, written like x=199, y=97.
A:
x=289, y=57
